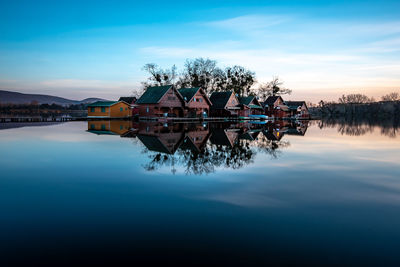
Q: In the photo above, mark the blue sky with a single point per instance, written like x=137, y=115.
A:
x=80, y=49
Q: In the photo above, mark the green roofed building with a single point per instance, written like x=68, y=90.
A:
x=224, y=104
x=197, y=103
x=109, y=109
x=250, y=106
x=158, y=101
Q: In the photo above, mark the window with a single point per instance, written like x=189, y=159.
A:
x=103, y=109
x=92, y=109
x=201, y=99
x=103, y=127
x=121, y=109
x=126, y=108
x=233, y=102
x=121, y=127
x=92, y=126
x=147, y=109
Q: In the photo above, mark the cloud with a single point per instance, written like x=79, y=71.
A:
x=248, y=23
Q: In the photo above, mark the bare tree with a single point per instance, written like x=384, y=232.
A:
x=203, y=73
x=272, y=88
x=391, y=97
x=159, y=76
x=355, y=99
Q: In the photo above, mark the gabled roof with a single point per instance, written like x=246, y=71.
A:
x=295, y=104
x=245, y=100
x=248, y=100
x=128, y=99
x=220, y=99
x=153, y=95
x=271, y=100
x=103, y=103
x=188, y=93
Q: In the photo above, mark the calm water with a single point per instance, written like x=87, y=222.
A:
x=119, y=192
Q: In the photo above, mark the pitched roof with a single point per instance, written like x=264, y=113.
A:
x=128, y=99
x=271, y=100
x=245, y=100
x=188, y=93
x=153, y=95
x=103, y=103
x=294, y=104
x=220, y=99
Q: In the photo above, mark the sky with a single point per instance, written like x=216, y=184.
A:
x=79, y=49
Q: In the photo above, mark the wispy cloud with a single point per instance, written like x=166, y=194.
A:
x=249, y=22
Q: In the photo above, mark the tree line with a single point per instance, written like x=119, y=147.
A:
x=206, y=73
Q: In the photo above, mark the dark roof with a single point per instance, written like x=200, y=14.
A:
x=294, y=104
x=103, y=103
x=219, y=137
x=152, y=95
x=271, y=100
x=153, y=143
x=245, y=100
x=220, y=99
x=188, y=144
x=128, y=99
x=188, y=93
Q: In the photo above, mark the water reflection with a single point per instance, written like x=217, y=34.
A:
x=201, y=148
x=359, y=126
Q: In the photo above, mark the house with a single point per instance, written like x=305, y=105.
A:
x=131, y=100
x=158, y=101
x=224, y=104
x=197, y=103
x=250, y=106
x=298, y=109
x=109, y=109
x=274, y=106
x=109, y=127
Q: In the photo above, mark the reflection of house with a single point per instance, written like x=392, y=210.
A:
x=297, y=129
x=275, y=107
x=274, y=131
x=298, y=109
x=224, y=104
x=109, y=127
x=250, y=106
x=162, y=139
x=109, y=109
x=195, y=140
x=160, y=100
x=250, y=135
x=224, y=137
x=197, y=103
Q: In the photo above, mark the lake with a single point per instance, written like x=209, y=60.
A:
x=120, y=192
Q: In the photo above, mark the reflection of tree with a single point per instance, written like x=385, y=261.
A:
x=358, y=127
x=271, y=147
x=204, y=162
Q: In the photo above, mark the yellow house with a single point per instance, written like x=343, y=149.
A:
x=109, y=109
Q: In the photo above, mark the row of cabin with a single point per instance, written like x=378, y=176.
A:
x=167, y=101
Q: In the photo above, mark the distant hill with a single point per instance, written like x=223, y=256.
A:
x=7, y=97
